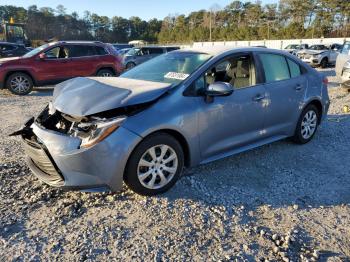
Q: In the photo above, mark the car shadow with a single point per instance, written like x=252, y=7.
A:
x=329, y=72
x=280, y=174
x=42, y=91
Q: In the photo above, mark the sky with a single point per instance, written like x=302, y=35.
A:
x=146, y=9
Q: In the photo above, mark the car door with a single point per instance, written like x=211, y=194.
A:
x=231, y=122
x=285, y=86
x=54, y=66
x=83, y=60
x=334, y=52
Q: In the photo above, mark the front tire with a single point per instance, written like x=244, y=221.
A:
x=19, y=84
x=155, y=165
x=130, y=65
x=324, y=62
x=307, y=125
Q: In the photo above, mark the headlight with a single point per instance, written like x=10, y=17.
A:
x=94, y=132
x=316, y=55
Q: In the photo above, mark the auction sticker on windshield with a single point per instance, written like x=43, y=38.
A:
x=175, y=75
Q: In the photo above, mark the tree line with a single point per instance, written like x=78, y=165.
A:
x=237, y=21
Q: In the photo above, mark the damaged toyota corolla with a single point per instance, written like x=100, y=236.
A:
x=178, y=110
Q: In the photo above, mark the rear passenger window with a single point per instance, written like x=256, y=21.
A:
x=81, y=50
x=275, y=67
x=100, y=50
x=294, y=68
x=156, y=51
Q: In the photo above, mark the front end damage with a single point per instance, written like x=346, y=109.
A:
x=83, y=153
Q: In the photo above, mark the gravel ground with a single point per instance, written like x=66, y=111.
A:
x=280, y=202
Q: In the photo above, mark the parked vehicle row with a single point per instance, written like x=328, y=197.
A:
x=316, y=55
x=180, y=109
x=139, y=55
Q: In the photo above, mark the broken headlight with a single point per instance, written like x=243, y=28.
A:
x=95, y=131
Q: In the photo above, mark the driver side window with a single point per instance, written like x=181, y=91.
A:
x=238, y=71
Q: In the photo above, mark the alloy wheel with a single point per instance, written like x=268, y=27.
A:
x=157, y=166
x=309, y=124
x=20, y=84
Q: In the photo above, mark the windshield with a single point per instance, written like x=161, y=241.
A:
x=317, y=47
x=346, y=48
x=36, y=51
x=171, y=67
x=292, y=47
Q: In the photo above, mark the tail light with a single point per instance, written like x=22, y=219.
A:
x=325, y=81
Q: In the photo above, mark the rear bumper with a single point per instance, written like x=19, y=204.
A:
x=101, y=166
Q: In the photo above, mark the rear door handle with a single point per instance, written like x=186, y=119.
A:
x=258, y=97
x=298, y=87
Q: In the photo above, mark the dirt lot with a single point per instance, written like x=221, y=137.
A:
x=280, y=202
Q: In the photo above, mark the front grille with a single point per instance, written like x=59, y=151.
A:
x=42, y=161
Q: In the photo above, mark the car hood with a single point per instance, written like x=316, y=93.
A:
x=87, y=96
x=312, y=52
x=8, y=59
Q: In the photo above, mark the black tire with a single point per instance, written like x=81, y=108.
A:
x=298, y=137
x=25, y=88
x=131, y=178
x=105, y=73
x=324, y=62
x=130, y=65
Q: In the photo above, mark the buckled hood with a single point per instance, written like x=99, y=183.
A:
x=87, y=96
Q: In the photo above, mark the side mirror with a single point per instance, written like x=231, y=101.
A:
x=42, y=56
x=219, y=89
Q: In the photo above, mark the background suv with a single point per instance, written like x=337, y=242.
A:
x=138, y=55
x=56, y=62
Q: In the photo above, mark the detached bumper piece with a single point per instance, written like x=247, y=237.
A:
x=41, y=163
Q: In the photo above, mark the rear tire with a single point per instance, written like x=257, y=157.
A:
x=130, y=65
x=19, y=84
x=155, y=165
x=324, y=62
x=307, y=125
x=105, y=73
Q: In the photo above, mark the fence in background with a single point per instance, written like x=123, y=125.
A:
x=277, y=44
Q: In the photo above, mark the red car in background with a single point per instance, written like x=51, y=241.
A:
x=55, y=62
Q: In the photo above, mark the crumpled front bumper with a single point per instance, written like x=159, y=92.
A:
x=101, y=166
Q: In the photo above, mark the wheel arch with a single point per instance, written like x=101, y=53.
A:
x=105, y=67
x=23, y=71
x=318, y=104
x=179, y=137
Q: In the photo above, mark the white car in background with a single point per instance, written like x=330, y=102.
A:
x=342, y=67
x=320, y=55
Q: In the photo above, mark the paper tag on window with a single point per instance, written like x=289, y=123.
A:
x=175, y=75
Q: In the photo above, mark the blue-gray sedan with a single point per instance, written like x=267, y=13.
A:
x=181, y=109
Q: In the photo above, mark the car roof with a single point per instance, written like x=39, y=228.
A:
x=218, y=50
x=79, y=42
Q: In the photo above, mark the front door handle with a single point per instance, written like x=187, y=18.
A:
x=298, y=87
x=258, y=97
